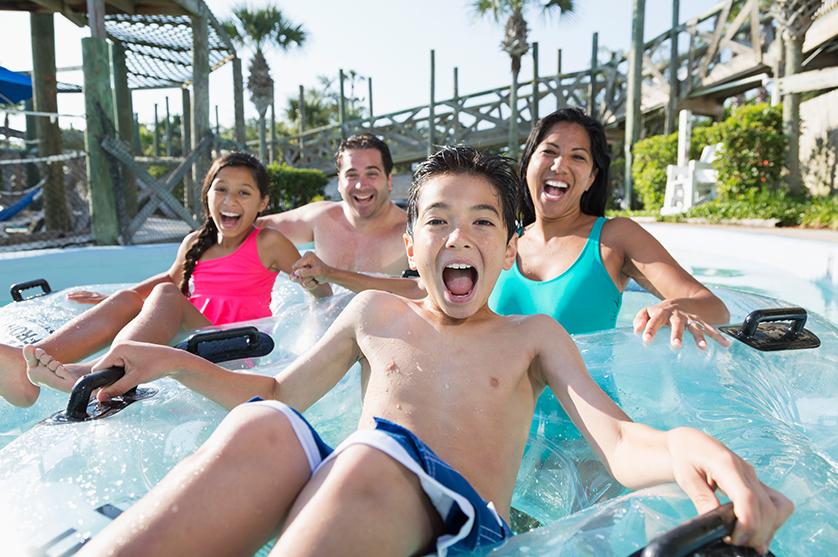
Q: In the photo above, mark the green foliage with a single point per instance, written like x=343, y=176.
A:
x=648, y=168
x=753, y=152
x=822, y=212
x=293, y=187
x=753, y=204
x=257, y=26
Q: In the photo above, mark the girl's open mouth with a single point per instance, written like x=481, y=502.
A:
x=229, y=220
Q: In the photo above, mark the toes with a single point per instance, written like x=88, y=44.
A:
x=29, y=355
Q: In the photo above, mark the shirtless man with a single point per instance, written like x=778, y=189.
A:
x=362, y=232
x=444, y=372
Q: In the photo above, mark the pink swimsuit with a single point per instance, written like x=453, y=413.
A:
x=235, y=287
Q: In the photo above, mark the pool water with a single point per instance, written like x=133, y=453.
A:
x=776, y=409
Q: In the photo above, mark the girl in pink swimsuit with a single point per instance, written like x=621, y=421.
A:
x=223, y=273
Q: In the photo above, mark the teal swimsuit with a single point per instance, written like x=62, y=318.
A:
x=583, y=299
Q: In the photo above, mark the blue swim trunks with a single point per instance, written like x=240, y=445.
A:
x=470, y=522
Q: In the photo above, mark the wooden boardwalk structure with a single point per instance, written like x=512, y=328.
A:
x=731, y=49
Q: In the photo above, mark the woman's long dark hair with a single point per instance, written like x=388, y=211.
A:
x=593, y=200
x=208, y=234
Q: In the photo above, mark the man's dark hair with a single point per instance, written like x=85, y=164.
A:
x=365, y=141
x=497, y=170
x=593, y=200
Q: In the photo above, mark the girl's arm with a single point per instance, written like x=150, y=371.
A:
x=301, y=384
x=686, y=304
x=309, y=266
x=279, y=254
x=639, y=456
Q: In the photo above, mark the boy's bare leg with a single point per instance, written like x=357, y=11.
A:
x=165, y=312
x=84, y=335
x=361, y=503
x=228, y=498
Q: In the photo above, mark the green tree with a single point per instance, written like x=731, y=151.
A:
x=321, y=102
x=260, y=28
x=515, y=41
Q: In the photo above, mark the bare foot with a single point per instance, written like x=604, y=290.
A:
x=14, y=386
x=43, y=369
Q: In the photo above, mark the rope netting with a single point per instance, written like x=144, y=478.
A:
x=159, y=48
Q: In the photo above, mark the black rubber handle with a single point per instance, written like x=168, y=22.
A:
x=84, y=387
x=690, y=536
x=796, y=315
x=250, y=333
x=18, y=288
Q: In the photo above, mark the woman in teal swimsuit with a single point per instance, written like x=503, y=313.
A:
x=573, y=263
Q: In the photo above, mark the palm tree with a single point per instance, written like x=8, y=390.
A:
x=262, y=27
x=793, y=17
x=515, y=42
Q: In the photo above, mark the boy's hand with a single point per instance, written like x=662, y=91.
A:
x=143, y=362
x=309, y=270
x=86, y=297
x=702, y=464
x=649, y=319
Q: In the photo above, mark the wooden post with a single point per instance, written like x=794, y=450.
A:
x=123, y=112
x=431, y=115
x=217, y=123
x=45, y=99
x=592, y=89
x=369, y=95
x=156, y=141
x=186, y=142
x=559, y=96
x=791, y=112
x=135, y=141
x=200, y=98
x=633, y=95
x=513, y=140
x=342, y=106
x=301, y=112
x=168, y=129
x=456, y=125
x=672, y=105
x=535, y=99
x=98, y=108
x=238, y=102
x=96, y=18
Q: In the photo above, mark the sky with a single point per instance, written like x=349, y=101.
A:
x=388, y=40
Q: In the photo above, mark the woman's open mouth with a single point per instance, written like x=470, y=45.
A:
x=554, y=190
x=459, y=280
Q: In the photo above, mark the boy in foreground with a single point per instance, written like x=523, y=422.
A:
x=449, y=392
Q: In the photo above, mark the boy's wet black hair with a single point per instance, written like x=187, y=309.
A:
x=497, y=170
x=208, y=234
x=365, y=141
x=593, y=200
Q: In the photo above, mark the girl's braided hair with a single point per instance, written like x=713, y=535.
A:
x=208, y=234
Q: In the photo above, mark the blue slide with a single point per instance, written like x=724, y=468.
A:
x=20, y=204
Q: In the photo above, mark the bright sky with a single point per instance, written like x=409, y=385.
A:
x=388, y=40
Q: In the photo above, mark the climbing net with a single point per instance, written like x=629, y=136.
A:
x=158, y=48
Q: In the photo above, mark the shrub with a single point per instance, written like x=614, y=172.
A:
x=293, y=187
x=753, y=204
x=648, y=168
x=822, y=212
x=754, y=150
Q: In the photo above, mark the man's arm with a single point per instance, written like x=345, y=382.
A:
x=297, y=224
x=301, y=384
x=309, y=266
x=639, y=456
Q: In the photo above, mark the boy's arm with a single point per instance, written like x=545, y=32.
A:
x=639, y=456
x=301, y=384
x=297, y=224
x=309, y=266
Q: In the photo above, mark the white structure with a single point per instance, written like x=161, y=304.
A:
x=689, y=183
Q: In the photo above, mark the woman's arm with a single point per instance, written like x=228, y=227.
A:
x=686, y=304
x=309, y=266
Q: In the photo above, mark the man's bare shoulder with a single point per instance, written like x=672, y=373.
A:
x=309, y=212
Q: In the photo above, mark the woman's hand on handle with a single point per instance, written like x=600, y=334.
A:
x=702, y=464
x=667, y=313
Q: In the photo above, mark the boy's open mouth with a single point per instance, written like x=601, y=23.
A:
x=229, y=220
x=555, y=189
x=459, y=280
